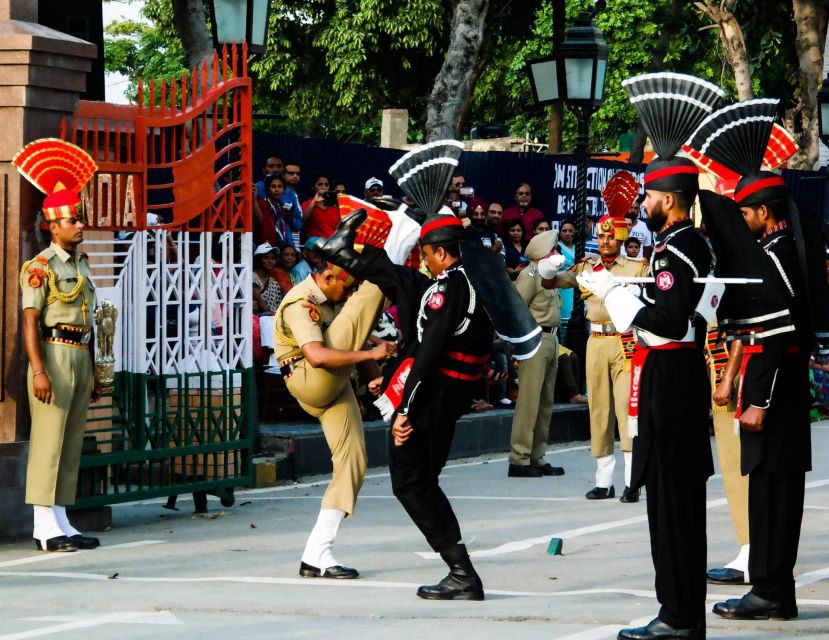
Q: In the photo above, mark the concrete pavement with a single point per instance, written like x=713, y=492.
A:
x=173, y=574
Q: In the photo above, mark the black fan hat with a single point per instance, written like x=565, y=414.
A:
x=441, y=227
x=424, y=173
x=670, y=107
x=747, y=308
x=737, y=137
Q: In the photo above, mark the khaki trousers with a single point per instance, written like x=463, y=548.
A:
x=734, y=483
x=534, y=408
x=608, y=390
x=326, y=394
x=58, y=427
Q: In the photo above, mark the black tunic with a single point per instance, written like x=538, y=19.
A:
x=675, y=392
x=448, y=335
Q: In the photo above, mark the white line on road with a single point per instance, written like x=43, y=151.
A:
x=54, y=556
x=121, y=617
x=352, y=584
x=521, y=545
x=362, y=497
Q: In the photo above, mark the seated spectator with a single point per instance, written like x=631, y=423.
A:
x=522, y=210
x=269, y=220
x=567, y=381
x=373, y=189
x=320, y=213
x=632, y=247
x=309, y=262
x=266, y=291
x=477, y=229
x=282, y=272
x=540, y=226
x=273, y=166
x=290, y=200
x=567, y=248
x=514, y=245
x=494, y=217
x=638, y=229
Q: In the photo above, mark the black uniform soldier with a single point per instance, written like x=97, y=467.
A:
x=670, y=396
x=58, y=300
x=448, y=338
x=772, y=321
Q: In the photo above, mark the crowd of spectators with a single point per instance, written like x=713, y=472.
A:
x=290, y=215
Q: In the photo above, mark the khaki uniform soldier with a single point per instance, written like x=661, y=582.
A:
x=317, y=343
x=607, y=368
x=58, y=299
x=724, y=367
x=537, y=376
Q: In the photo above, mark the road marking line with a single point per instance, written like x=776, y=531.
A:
x=607, y=631
x=54, y=556
x=362, y=497
x=522, y=545
x=121, y=617
x=355, y=584
x=811, y=577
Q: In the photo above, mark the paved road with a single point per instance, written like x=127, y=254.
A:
x=165, y=574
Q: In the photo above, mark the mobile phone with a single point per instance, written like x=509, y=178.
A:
x=468, y=192
x=329, y=199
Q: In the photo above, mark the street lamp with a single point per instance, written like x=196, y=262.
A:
x=575, y=75
x=823, y=111
x=238, y=21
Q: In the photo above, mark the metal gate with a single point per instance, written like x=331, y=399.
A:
x=169, y=242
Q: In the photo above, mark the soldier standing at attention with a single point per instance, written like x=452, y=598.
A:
x=609, y=352
x=58, y=299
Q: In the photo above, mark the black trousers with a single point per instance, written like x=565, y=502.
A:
x=775, y=512
x=416, y=465
x=676, y=518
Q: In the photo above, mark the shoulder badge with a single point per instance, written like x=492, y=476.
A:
x=660, y=263
x=313, y=311
x=436, y=301
x=665, y=281
x=42, y=260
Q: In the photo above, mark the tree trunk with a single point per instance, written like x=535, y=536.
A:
x=810, y=19
x=188, y=19
x=733, y=42
x=670, y=22
x=470, y=99
x=452, y=84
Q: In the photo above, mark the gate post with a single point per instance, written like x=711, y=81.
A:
x=42, y=74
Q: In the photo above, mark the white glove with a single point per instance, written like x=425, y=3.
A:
x=635, y=289
x=599, y=281
x=548, y=267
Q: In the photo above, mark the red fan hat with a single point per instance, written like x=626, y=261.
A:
x=59, y=169
x=619, y=193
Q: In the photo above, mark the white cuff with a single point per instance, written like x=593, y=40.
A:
x=622, y=306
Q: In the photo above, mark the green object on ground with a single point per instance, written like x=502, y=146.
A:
x=554, y=548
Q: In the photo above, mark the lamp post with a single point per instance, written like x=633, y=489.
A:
x=240, y=21
x=575, y=75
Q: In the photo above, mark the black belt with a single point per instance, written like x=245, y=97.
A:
x=287, y=366
x=548, y=329
x=67, y=334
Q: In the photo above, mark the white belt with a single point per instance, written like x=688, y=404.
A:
x=605, y=327
x=649, y=339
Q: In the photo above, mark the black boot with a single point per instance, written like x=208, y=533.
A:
x=339, y=248
x=462, y=583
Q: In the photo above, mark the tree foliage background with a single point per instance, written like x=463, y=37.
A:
x=333, y=65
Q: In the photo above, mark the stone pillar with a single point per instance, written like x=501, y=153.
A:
x=394, y=129
x=42, y=73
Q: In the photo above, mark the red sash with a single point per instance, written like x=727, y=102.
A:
x=639, y=358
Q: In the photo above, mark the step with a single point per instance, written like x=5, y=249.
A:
x=303, y=442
